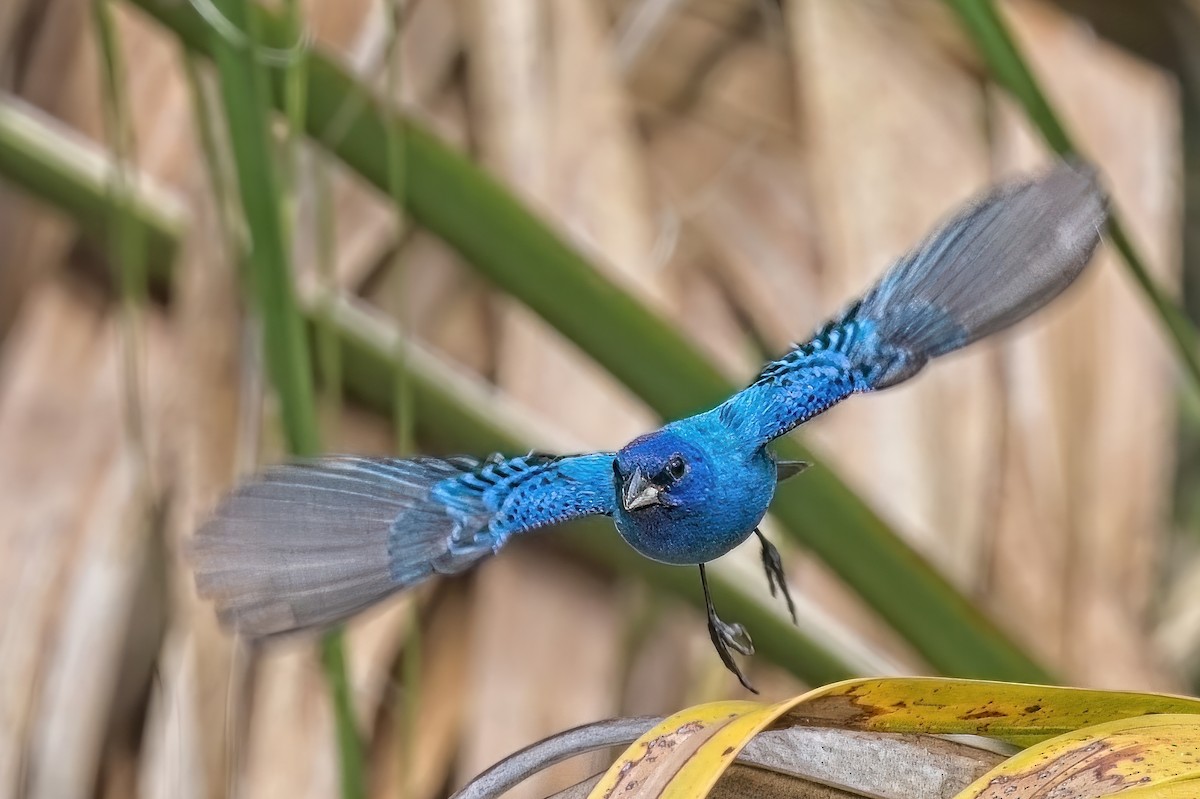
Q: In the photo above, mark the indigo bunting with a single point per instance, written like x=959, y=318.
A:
x=305, y=545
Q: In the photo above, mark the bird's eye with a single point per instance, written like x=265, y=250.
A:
x=676, y=468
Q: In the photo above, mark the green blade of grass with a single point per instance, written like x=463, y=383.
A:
x=246, y=94
x=126, y=252
x=522, y=255
x=350, y=746
x=38, y=156
x=995, y=43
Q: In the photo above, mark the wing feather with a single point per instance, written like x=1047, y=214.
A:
x=305, y=545
x=987, y=268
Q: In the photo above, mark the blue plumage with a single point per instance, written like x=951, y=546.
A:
x=309, y=544
x=807, y=381
x=502, y=497
x=708, y=492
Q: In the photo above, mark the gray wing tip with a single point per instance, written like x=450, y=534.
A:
x=1075, y=186
x=1077, y=182
x=1078, y=166
x=302, y=545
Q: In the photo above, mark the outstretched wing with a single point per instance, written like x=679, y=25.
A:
x=516, y=495
x=790, y=391
x=987, y=268
x=305, y=545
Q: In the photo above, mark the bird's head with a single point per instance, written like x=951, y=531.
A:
x=659, y=473
x=685, y=495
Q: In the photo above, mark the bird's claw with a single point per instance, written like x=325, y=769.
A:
x=773, y=565
x=726, y=636
x=734, y=635
x=731, y=636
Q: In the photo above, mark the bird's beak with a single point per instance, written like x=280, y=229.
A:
x=638, y=492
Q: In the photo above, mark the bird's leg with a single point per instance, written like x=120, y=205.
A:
x=773, y=565
x=725, y=636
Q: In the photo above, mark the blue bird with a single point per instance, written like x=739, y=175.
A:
x=305, y=545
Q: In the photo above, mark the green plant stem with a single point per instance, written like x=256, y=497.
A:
x=522, y=255
x=247, y=109
x=244, y=90
x=995, y=43
x=40, y=157
x=126, y=248
x=333, y=647
x=350, y=747
x=215, y=160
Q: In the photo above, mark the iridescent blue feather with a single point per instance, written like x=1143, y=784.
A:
x=502, y=497
x=987, y=268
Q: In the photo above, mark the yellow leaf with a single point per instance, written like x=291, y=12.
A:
x=699, y=772
x=1008, y=711
x=648, y=765
x=1176, y=789
x=1155, y=752
x=684, y=756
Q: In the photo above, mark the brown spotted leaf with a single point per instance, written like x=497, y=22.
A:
x=1107, y=759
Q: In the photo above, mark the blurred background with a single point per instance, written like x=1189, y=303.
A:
x=585, y=216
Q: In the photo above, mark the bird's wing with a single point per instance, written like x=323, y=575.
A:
x=987, y=268
x=305, y=545
x=525, y=493
x=795, y=388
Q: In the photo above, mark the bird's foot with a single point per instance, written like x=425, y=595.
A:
x=727, y=636
x=731, y=636
x=773, y=566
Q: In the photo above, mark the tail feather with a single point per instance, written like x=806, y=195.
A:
x=306, y=545
x=986, y=269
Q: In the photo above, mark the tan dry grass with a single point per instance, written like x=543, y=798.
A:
x=748, y=169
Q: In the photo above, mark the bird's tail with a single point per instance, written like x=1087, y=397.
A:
x=985, y=269
x=305, y=545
